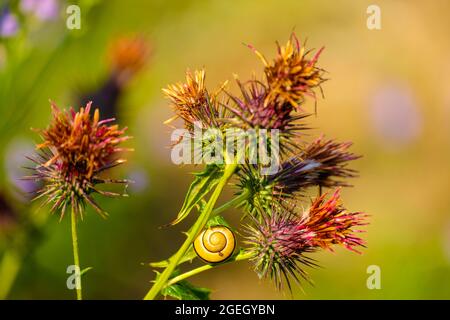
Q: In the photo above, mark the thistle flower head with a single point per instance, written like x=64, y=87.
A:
x=77, y=147
x=129, y=55
x=194, y=103
x=254, y=110
x=280, y=241
x=292, y=75
x=329, y=223
x=323, y=162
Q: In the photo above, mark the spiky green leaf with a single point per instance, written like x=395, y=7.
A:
x=200, y=187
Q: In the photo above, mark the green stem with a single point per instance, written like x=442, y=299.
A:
x=239, y=257
x=76, y=256
x=196, y=228
x=9, y=268
x=233, y=203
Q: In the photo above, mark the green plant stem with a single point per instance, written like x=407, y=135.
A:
x=196, y=228
x=9, y=268
x=233, y=203
x=239, y=257
x=76, y=256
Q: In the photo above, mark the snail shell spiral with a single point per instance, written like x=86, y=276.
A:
x=215, y=244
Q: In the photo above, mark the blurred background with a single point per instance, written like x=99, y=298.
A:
x=389, y=93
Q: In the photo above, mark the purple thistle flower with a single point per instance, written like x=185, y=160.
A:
x=254, y=111
x=322, y=163
x=280, y=240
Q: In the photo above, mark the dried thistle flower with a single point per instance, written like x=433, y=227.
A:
x=280, y=240
x=194, y=103
x=322, y=163
x=77, y=148
x=292, y=75
x=253, y=112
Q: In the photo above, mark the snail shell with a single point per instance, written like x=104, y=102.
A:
x=215, y=244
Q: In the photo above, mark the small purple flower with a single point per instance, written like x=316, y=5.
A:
x=44, y=10
x=8, y=24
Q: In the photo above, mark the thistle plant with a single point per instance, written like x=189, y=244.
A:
x=77, y=150
x=279, y=239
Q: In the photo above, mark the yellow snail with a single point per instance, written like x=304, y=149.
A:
x=215, y=244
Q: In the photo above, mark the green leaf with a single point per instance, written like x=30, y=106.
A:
x=188, y=256
x=200, y=187
x=218, y=221
x=85, y=270
x=184, y=290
